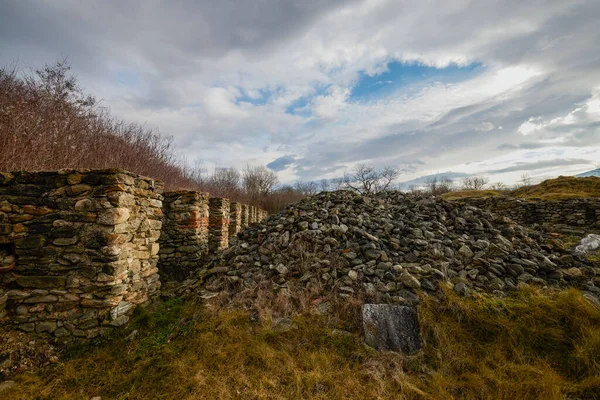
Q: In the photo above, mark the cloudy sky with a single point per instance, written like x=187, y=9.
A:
x=311, y=87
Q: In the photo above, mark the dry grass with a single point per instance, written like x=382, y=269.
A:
x=462, y=194
x=530, y=346
x=563, y=187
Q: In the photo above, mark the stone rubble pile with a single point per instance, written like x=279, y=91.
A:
x=389, y=245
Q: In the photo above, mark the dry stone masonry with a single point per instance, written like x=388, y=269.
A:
x=390, y=245
x=245, y=217
x=235, y=219
x=218, y=224
x=184, y=235
x=78, y=249
x=583, y=214
x=196, y=226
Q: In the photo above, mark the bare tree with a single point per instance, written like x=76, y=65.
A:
x=498, y=186
x=386, y=177
x=366, y=179
x=475, y=182
x=338, y=183
x=526, y=180
x=413, y=188
x=258, y=181
x=324, y=185
x=225, y=182
x=307, y=188
x=436, y=186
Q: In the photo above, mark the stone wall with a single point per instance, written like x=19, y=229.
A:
x=245, y=216
x=184, y=236
x=78, y=249
x=218, y=224
x=235, y=219
x=196, y=225
x=583, y=214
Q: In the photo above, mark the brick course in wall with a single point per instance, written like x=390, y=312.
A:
x=78, y=249
x=184, y=235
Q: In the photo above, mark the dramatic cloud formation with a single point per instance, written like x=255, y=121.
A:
x=311, y=87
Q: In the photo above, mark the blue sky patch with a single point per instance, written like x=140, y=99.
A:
x=299, y=106
x=399, y=75
x=257, y=101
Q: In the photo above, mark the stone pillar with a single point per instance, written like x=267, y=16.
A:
x=235, y=219
x=184, y=236
x=218, y=224
x=245, y=216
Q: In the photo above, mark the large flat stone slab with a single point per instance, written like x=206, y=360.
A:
x=391, y=327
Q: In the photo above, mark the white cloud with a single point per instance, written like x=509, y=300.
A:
x=194, y=62
x=484, y=127
x=529, y=127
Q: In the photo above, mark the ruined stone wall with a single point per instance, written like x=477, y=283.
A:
x=245, y=216
x=235, y=219
x=579, y=213
x=218, y=224
x=196, y=225
x=78, y=249
x=184, y=235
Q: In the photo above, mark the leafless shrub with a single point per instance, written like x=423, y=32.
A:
x=47, y=122
x=436, y=186
x=307, y=188
x=415, y=189
x=338, y=183
x=366, y=179
x=324, y=185
x=258, y=181
x=498, y=186
x=526, y=180
x=475, y=182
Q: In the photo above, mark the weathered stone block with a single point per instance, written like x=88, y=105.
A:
x=391, y=327
x=113, y=216
x=41, y=282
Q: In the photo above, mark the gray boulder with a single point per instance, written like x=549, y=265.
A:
x=391, y=327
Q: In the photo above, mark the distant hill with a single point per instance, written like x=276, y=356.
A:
x=595, y=172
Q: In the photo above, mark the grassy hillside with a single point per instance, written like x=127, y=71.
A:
x=563, y=187
x=532, y=345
